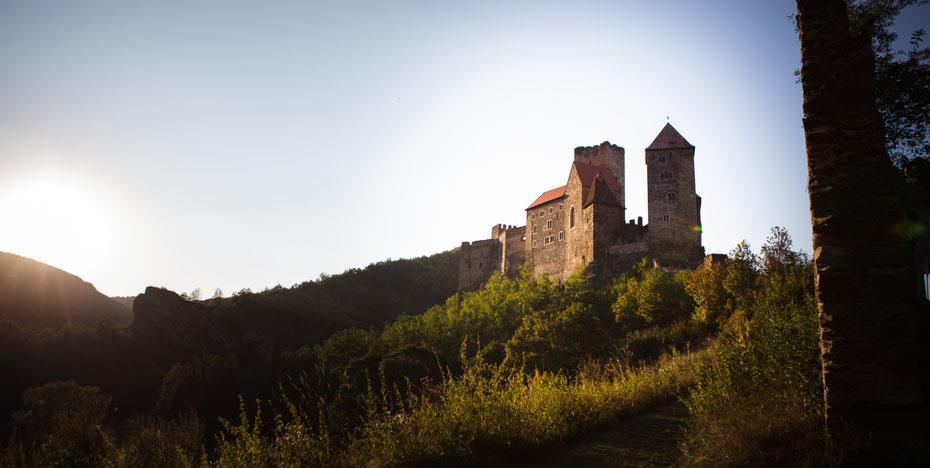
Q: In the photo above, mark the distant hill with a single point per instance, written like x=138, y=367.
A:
x=35, y=294
x=126, y=301
x=303, y=314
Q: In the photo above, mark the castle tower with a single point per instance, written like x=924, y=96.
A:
x=606, y=155
x=674, y=231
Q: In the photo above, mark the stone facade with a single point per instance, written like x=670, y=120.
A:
x=582, y=227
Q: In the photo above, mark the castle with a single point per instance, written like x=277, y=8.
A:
x=581, y=226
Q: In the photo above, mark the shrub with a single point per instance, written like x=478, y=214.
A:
x=758, y=401
x=61, y=423
x=654, y=297
x=492, y=410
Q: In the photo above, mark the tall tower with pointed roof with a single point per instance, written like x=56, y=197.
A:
x=674, y=230
x=581, y=227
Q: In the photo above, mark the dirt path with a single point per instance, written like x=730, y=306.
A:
x=647, y=439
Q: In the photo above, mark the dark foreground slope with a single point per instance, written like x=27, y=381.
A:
x=181, y=354
x=35, y=294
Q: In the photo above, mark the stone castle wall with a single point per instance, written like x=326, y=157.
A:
x=674, y=234
x=563, y=237
x=477, y=262
x=504, y=252
x=544, y=250
x=608, y=155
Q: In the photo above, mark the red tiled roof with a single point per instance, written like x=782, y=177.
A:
x=588, y=172
x=669, y=138
x=548, y=196
x=600, y=193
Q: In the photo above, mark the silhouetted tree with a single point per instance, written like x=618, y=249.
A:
x=864, y=290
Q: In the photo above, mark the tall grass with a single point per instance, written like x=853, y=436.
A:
x=489, y=413
x=758, y=401
x=491, y=410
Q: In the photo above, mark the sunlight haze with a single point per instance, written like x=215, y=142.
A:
x=228, y=145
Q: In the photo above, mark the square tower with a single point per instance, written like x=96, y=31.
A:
x=674, y=231
x=610, y=156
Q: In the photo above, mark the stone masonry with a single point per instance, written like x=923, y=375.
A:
x=580, y=227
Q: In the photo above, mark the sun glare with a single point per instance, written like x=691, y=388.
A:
x=56, y=222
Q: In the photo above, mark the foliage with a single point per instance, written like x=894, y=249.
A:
x=519, y=364
x=650, y=296
x=62, y=423
x=559, y=340
x=758, y=401
x=155, y=443
x=902, y=78
x=706, y=288
x=163, y=362
x=492, y=409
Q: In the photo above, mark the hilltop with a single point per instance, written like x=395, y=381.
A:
x=33, y=293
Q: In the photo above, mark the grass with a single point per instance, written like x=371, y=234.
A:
x=490, y=411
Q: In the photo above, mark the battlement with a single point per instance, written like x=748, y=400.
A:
x=581, y=226
x=597, y=150
x=498, y=229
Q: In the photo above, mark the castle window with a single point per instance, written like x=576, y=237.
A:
x=665, y=175
x=534, y=227
x=665, y=218
x=550, y=210
x=560, y=206
x=571, y=216
x=561, y=235
x=548, y=224
x=661, y=159
x=671, y=197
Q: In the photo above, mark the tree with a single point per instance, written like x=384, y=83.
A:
x=63, y=423
x=869, y=344
x=742, y=274
x=705, y=285
x=654, y=297
x=778, y=253
x=902, y=78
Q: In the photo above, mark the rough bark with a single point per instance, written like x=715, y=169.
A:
x=864, y=285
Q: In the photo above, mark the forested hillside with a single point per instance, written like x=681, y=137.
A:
x=180, y=353
x=33, y=293
x=518, y=366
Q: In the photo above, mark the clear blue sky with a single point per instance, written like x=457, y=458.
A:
x=247, y=144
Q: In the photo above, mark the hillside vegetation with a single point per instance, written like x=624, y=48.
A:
x=518, y=366
x=180, y=354
x=35, y=294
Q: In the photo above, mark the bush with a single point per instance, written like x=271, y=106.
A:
x=654, y=297
x=492, y=410
x=759, y=400
x=61, y=423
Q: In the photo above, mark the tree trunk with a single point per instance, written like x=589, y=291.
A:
x=864, y=276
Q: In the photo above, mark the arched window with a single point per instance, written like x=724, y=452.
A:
x=572, y=216
x=671, y=197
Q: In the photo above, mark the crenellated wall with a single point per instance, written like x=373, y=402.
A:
x=584, y=230
x=504, y=252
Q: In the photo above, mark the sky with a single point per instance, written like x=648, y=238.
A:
x=249, y=144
